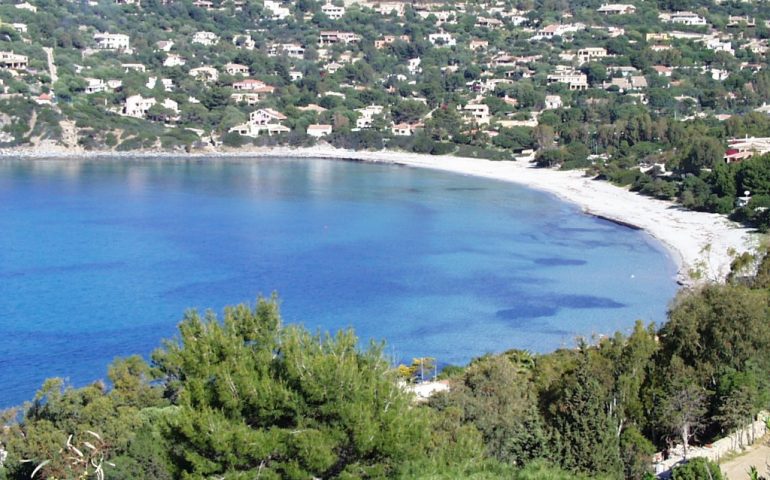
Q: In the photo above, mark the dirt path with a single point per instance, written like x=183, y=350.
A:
x=738, y=468
x=51, y=65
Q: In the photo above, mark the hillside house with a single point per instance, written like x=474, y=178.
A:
x=735, y=21
x=617, y=9
x=174, y=60
x=404, y=129
x=585, y=55
x=552, y=102
x=112, y=41
x=205, y=74
x=489, y=23
x=333, y=11
x=625, y=84
x=26, y=6
x=413, y=66
x=244, y=41
x=389, y=39
x=249, y=98
x=251, y=85
x=137, y=106
x=326, y=38
x=476, y=45
x=739, y=149
x=278, y=11
x=164, y=45
x=683, y=18
x=205, y=38
x=13, y=61
x=319, y=130
x=166, y=83
x=263, y=120
x=477, y=113
x=390, y=8
x=291, y=50
x=95, y=85
x=133, y=67
x=237, y=69
x=442, y=39
x=366, y=115
x=574, y=80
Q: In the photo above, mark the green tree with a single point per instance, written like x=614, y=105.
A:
x=697, y=469
x=585, y=433
x=259, y=398
x=704, y=152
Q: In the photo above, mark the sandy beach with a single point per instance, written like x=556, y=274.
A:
x=698, y=242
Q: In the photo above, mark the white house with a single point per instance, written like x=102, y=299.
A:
x=174, y=60
x=478, y=113
x=330, y=37
x=95, y=85
x=26, y=6
x=13, y=61
x=366, y=115
x=112, y=41
x=237, y=69
x=333, y=11
x=552, y=102
x=319, y=130
x=683, y=18
x=167, y=83
x=205, y=38
x=249, y=98
x=413, y=65
x=617, y=9
x=387, y=8
x=291, y=50
x=403, y=129
x=206, y=74
x=137, y=106
x=591, y=54
x=262, y=120
x=133, y=67
x=443, y=39
x=244, y=41
x=575, y=80
x=252, y=85
x=278, y=11
x=164, y=45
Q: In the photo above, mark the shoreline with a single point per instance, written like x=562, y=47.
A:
x=696, y=241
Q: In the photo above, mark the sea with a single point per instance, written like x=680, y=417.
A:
x=101, y=259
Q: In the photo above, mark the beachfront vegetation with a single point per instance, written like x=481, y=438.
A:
x=246, y=396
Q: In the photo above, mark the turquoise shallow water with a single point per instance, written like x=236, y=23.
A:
x=100, y=259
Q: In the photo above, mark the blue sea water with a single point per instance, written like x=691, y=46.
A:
x=100, y=259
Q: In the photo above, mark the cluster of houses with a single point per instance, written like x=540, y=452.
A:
x=335, y=48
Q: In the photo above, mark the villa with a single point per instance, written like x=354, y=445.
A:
x=13, y=61
x=263, y=120
x=111, y=41
x=319, y=130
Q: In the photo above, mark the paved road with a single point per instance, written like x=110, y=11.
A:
x=738, y=468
